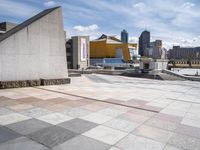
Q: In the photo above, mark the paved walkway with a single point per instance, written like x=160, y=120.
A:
x=91, y=114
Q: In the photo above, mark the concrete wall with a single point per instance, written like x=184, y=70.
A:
x=77, y=52
x=37, y=51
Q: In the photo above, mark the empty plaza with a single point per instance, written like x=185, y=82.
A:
x=101, y=112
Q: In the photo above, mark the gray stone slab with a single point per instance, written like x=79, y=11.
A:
x=78, y=125
x=36, y=112
x=184, y=142
x=82, y=143
x=188, y=130
x=4, y=111
x=28, y=126
x=7, y=134
x=22, y=143
x=52, y=136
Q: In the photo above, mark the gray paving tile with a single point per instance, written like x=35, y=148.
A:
x=185, y=142
x=188, y=130
x=78, y=125
x=35, y=112
x=52, y=136
x=22, y=143
x=162, y=124
x=28, y=126
x=132, y=142
x=7, y=134
x=4, y=111
x=76, y=112
x=82, y=143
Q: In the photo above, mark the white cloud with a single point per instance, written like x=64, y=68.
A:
x=139, y=6
x=50, y=3
x=188, y=5
x=86, y=28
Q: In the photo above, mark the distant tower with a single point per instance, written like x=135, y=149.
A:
x=124, y=36
x=144, y=43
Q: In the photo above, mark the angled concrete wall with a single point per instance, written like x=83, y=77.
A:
x=37, y=51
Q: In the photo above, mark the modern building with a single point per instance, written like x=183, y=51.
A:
x=149, y=64
x=144, y=43
x=111, y=47
x=178, y=52
x=6, y=26
x=33, y=53
x=156, y=51
x=78, y=51
x=124, y=36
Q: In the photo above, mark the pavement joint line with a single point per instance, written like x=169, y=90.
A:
x=98, y=100
x=183, y=101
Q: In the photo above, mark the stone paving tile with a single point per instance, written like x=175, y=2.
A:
x=114, y=148
x=78, y=125
x=76, y=112
x=191, y=122
x=162, y=124
x=58, y=100
x=122, y=125
x=111, y=112
x=134, y=117
x=151, y=108
x=55, y=118
x=131, y=103
x=36, y=112
x=5, y=111
x=52, y=136
x=174, y=112
x=12, y=118
x=22, y=143
x=93, y=107
x=97, y=118
x=82, y=143
x=6, y=134
x=58, y=107
x=43, y=103
x=153, y=133
x=167, y=117
x=8, y=103
x=169, y=147
x=28, y=100
x=76, y=103
x=143, y=112
x=122, y=108
x=184, y=142
x=20, y=107
x=28, y=126
x=132, y=142
x=188, y=130
x=105, y=134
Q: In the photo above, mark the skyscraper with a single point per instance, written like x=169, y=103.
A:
x=124, y=36
x=144, y=43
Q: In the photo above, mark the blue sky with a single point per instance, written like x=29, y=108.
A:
x=176, y=22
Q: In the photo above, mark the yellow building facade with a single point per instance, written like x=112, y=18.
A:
x=108, y=47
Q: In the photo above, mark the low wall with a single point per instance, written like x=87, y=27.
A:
x=32, y=83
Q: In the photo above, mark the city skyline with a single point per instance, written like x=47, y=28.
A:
x=176, y=23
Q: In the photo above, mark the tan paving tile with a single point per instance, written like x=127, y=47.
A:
x=134, y=117
x=153, y=133
x=12, y=118
x=20, y=107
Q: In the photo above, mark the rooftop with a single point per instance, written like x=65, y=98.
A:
x=102, y=112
